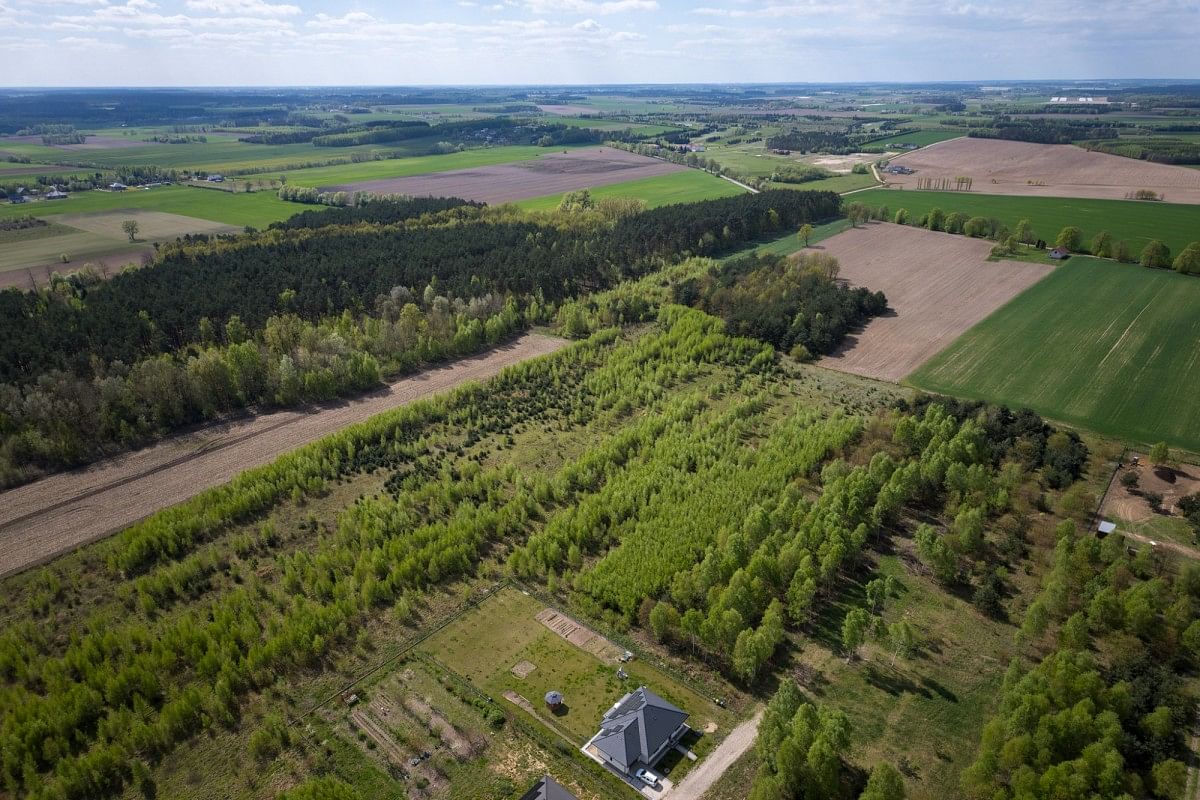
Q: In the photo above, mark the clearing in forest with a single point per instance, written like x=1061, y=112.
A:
x=501, y=183
x=1106, y=346
x=938, y=285
x=56, y=514
x=486, y=642
x=1050, y=170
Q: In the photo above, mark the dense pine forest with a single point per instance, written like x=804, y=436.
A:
x=324, y=305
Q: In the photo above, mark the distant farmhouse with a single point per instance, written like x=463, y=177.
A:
x=215, y=179
x=637, y=732
x=548, y=789
x=897, y=169
x=117, y=187
x=56, y=194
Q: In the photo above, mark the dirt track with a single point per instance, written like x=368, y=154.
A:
x=938, y=285
x=1063, y=170
x=503, y=183
x=52, y=516
x=700, y=780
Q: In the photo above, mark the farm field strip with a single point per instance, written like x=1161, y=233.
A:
x=54, y=515
x=1047, y=170
x=937, y=285
x=1136, y=222
x=679, y=187
x=414, y=165
x=258, y=209
x=502, y=183
x=1106, y=346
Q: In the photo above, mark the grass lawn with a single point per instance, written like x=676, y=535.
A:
x=678, y=187
x=258, y=209
x=486, y=643
x=1105, y=346
x=1176, y=224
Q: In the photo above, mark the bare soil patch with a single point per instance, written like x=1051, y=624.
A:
x=1130, y=504
x=35, y=276
x=502, y=183
x=582, y=637
x=568, y=110
x=938, y=285
x=107, y=143
x=152, y=225
x=522, y=669
x=37, y=169
x=59, y=513
x=1045, y=170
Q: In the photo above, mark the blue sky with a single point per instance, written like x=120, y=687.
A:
x=312, y=42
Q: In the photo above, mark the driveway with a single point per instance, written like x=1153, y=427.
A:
x=700, y=780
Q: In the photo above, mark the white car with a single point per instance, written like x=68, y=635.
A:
x=647, y=777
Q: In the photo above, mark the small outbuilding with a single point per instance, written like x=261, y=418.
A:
x=1105, y=527
x=554, y=700
x=56, y=194
x=117, y=187
x=215, y=179
x=1060, y=253
x=16, y=198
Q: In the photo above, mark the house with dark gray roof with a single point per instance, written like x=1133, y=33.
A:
x=548, y=789
x=638, y=731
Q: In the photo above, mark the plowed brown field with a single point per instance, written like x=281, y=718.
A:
x=59, y=513
x=1045, y=170
x=553, y=173
x=937, y=285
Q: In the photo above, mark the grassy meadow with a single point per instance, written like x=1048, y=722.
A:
x=1136, y=222
x=687, y=186
x=1105, y=346
x=258, y=209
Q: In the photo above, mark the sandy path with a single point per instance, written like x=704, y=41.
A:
x=938, y=285
x=700, y=780
x=56, y=514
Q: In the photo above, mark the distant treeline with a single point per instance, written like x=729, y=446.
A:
x=1162, y=150
x=1046, y=131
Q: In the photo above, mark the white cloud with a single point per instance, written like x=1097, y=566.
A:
x=589, y=6
x=249, y=8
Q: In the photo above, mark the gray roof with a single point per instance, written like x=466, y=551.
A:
x=547, y=789
x=640, y=715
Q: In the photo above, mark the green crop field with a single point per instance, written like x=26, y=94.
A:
x=258, y=209
x=1106, y=346
x=1136, y=222
x=687, y=186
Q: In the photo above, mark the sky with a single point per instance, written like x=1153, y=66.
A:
x=423, y=42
